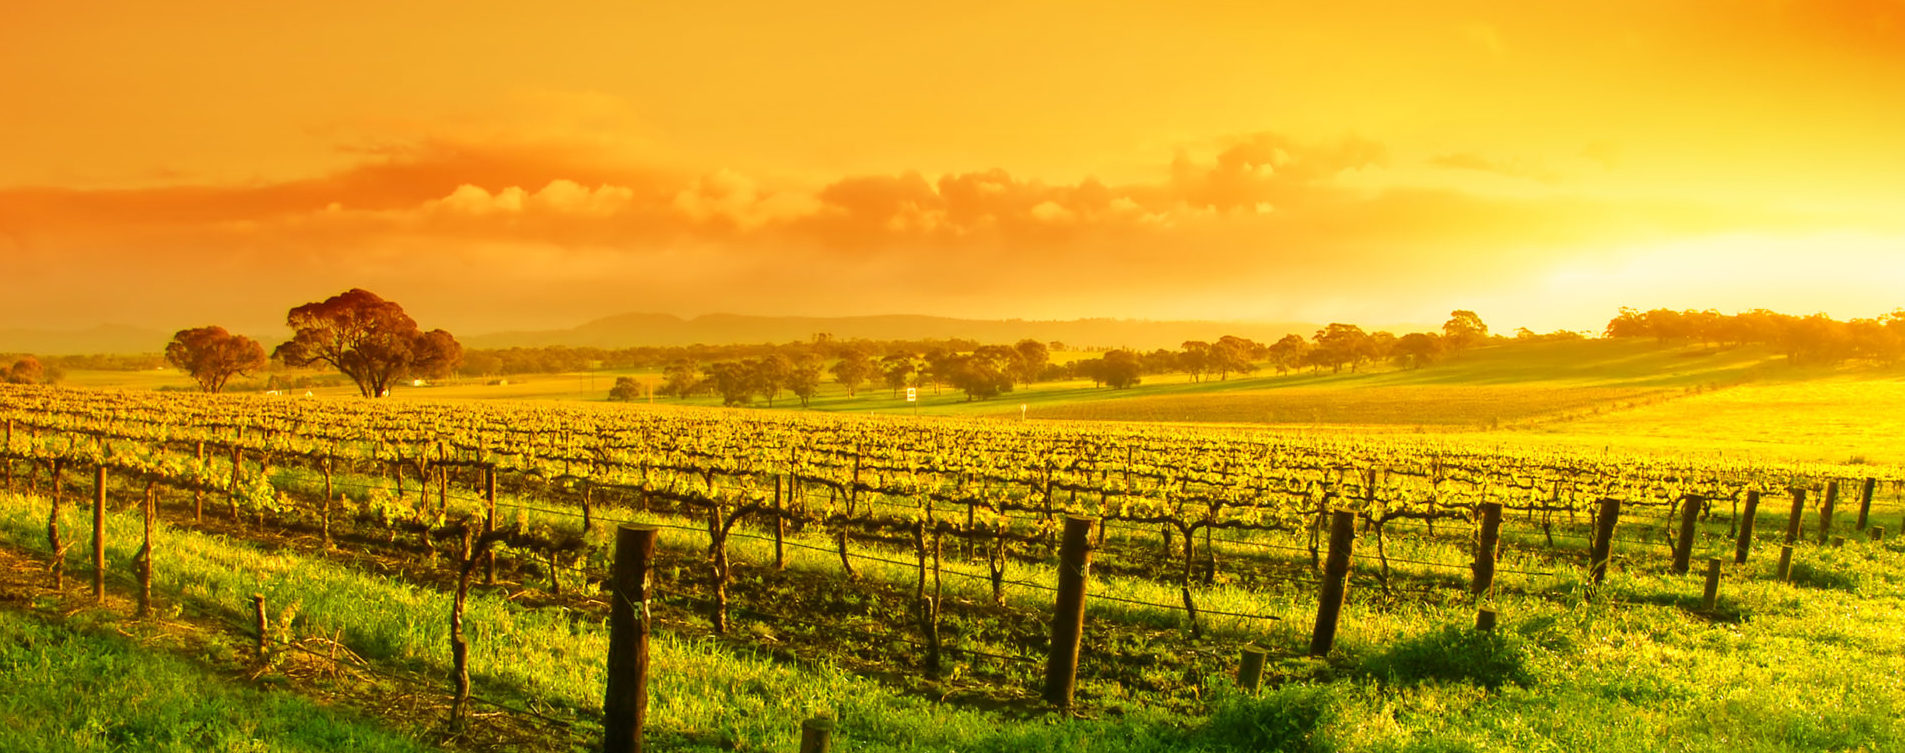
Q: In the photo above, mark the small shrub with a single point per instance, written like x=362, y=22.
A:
x=1291, y=718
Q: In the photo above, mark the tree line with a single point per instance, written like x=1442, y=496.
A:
x=1817, y=339
x=987, y=371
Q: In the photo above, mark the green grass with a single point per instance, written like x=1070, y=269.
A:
x=1631, y=665
x=71, y=688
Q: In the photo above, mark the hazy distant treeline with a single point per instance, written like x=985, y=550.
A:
x=1815, y=339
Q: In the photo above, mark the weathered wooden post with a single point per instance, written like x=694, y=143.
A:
x=1068, y=620
x=1683, y=546
x=1785, y=562
x=780, y=524
x=1745, y=543
x=54, y=544
x=144, y=558
x=1876, y=532
x=198, y=493
x=1485, y=546
x=1335, y=585
x=1799, y=515
x=1485, y=619
x=99, y=534
x=1865, y=501
x=1825, y=511
x=1603, y=539
x=1712, y=596
x=264, y=626
x=625, y=703
x=489, y=522
x=1250, y=669
x=328, y=494
x=816, y=735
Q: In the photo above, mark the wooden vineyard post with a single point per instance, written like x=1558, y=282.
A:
x=1485, y=619
x=625, y=700
x=99, y=534
x=53, y=530
x=327, y=503
x=1712, y=595
x=1876, y=533
x=264, y=627
x=144, y=560
x=1329, y=607
x=1825, y=511
x=198, y=494
x=816, y=735
x=1745, y=543
x=1068, y=620
x=1603, y=538
x=1785, y=562
x=1250, y=669
x=1683, y=546
x=780, y=525
x=489, y=522
x=1798, y=516
x=1485, y=546
x=1865, y=501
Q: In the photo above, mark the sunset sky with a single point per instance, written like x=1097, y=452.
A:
x=497, y=166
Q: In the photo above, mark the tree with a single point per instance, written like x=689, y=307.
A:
x=368, y=339
x=985, y=372
x=896, y=369
x=1032, y=358
x=626, y=389
x=1341, y=344
x=852, y=370
x=1231, y=354
x=213, y=356
x=681, y=377
x=1195, y=360
x=1288, y=353
x=1417, y=349
x=771, y=374
x=27, y=370
x=1120, y=369
x=734, y=380
x=1463, y=330
x=804, y=378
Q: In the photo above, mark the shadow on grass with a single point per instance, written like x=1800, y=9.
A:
x=1454, y=653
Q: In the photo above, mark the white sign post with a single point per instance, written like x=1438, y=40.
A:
x=912, y=396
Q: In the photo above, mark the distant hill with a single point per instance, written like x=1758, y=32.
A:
x=630, y=330
x=105, y=338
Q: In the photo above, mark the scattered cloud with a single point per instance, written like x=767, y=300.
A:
x=1509, y=168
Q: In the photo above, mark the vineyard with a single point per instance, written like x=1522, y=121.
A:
x=928, y=556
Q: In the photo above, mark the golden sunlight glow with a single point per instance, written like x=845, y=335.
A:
x=498, y=167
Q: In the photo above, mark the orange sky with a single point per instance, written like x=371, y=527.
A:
x=502, y=166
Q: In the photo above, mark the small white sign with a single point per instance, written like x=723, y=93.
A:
x=912, y=394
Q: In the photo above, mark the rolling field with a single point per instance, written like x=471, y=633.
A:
x=1802, y=660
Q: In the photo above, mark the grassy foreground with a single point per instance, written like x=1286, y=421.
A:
x=1818, y=664
x=75, y=688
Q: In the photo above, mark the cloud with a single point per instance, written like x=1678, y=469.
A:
x=1510, y=169
x=1252, y=226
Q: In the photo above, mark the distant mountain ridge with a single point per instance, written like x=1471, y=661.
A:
x=632, y=330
